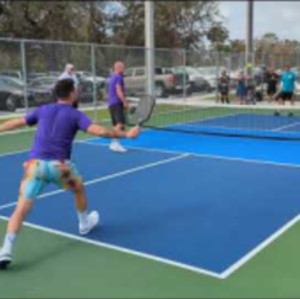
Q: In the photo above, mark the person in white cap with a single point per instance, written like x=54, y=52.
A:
x=69, y=73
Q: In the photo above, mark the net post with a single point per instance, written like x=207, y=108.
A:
x=24, y=73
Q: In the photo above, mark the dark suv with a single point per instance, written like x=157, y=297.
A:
x=12, y=94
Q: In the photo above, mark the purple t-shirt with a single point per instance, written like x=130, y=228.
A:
x=113, y=81
x=57, y=125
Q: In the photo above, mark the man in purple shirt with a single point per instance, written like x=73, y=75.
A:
x=57, y=125
x=117, y=102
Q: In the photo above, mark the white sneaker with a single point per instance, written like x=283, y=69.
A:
x=5, y=259
x=117, y=147
x=92, y=222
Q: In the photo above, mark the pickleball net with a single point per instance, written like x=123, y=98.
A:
x=270, y=121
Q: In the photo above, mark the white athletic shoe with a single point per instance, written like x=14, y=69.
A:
x=5, y=259
x=92, y=222
x=117, y=147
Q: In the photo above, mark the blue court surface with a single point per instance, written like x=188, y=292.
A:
x=199, y=202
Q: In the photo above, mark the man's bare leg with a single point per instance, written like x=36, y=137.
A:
x=86, y=221
x=13, y=228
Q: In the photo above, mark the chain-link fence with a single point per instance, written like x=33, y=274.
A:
x=29, y=70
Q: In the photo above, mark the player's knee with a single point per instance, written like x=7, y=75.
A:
x=75, y=185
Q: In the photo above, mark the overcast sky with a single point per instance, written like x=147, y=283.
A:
x=280, y=17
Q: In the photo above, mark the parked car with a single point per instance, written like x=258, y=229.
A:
x=260, y=74
x=12, y=73
x=12, y=95
x=43, y=89
x=210, y=74
x=34, y=75
x=167, y=81
x=196, y=81
x=88, y=76
x=86, y=91
x=43, y=82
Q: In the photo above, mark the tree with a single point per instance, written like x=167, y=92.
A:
x=126, y=25
x=53, y=20
x=182, y=24
x=237, y=46
x=218, y=35
x=177, y=23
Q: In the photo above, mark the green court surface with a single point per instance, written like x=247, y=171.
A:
x=57, y=267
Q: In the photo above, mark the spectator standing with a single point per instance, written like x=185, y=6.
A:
x=224, y=87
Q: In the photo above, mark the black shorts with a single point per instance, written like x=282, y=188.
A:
x=286, y=95
x=271, y=91
x=224, y=94
x=117, y=114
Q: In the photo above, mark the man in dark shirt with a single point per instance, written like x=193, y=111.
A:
x=272, y=80
x=224, y=88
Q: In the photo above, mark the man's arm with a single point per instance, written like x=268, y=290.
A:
x=13, y=124
x=121, y=95
x=99, y=131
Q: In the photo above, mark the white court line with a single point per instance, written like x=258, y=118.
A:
x=208, y=156
x=120, y=249
x=286, y=127
x=107, y=177
x=233, y=268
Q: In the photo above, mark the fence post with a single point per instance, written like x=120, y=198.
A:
x=24, y=73
x=217, y=57
x=93, y=67
x=184, y=74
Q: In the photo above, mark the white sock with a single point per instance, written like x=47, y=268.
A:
x=82, y=216
x=8, y=243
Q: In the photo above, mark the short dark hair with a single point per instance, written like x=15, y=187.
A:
x=63, y=88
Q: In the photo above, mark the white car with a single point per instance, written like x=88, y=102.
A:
x=87, y=76
x=196, y=80
x=210, y=73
